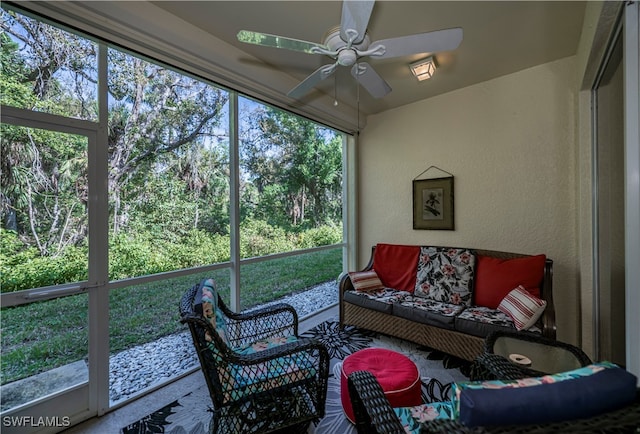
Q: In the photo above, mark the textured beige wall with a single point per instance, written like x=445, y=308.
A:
x=510, y=143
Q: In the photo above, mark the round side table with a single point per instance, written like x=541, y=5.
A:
x=546, y=356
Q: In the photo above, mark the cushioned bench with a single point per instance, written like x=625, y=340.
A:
x=449, y=298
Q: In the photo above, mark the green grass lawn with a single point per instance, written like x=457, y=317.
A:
x=44, y=335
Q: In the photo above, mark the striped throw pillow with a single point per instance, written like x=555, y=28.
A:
x=522, y=307
x=366, y=281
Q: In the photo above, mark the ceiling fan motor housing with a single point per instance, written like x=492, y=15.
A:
x=346, y=55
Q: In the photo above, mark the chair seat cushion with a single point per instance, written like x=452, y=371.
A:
x=265, y=344
x=254, y=378
x=481, y=321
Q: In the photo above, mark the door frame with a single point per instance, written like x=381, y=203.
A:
x=631, y=64
x=80, y=401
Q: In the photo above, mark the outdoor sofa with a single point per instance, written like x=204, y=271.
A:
x=447, y=298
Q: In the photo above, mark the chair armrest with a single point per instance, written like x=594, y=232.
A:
x=345, y=284
x=372, y=410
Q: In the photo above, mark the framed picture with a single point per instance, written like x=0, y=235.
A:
x=433, y=203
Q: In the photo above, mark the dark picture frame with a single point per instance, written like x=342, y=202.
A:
x=433, y=204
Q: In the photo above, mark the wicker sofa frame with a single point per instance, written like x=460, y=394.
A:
x=374, y=415
x=453, y=342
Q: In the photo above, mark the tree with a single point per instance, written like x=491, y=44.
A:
x=168, y=160
x=162, y=125
x=295, y=165
x=43, y=173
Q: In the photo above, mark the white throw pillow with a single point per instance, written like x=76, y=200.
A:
x=366, y=281
x=522, y=307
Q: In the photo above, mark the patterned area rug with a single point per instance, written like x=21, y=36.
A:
x=190, y=414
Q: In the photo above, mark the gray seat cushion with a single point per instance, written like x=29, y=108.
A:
x=427, y=311
x=381, y=300
x=480, y=321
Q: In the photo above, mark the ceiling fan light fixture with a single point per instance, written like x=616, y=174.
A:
x=423, y=69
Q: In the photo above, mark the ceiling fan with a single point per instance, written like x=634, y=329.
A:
x=349, y=42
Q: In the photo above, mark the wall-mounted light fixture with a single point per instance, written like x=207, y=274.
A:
x=423, y=69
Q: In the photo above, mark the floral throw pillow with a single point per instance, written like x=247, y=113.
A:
x=445, y=274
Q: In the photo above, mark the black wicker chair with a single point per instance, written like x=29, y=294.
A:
x=374, y=415
x=280, y=384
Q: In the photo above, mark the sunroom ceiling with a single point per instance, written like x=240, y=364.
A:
x=499, y=38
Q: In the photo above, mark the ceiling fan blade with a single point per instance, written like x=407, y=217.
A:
x=430, y=42
x=370, y=80
x=276, y=41
x=355, y=17
x=308, y=83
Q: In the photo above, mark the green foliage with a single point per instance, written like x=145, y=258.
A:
x=321, y=236
x=142, y=253
x=295, y=169
x=198, y=248
x=23, y=267
x=14, y=91
x=259, y=238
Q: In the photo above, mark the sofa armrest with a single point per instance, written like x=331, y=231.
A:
x=344, y=281
x=548, y=318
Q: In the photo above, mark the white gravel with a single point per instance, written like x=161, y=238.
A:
x=144, y=366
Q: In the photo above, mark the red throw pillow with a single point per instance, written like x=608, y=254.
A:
x=495, y=278
x=396, y=266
